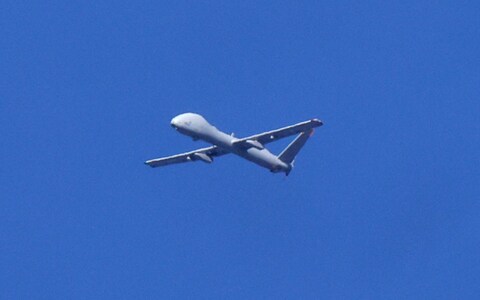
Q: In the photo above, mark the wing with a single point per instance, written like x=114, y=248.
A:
x=203, y=154
x=274, y=135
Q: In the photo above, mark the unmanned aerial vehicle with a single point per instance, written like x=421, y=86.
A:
x=251, y=148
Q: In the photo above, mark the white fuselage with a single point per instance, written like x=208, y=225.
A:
x=197, y=127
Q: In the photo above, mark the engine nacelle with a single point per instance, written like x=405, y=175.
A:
x=255, y=144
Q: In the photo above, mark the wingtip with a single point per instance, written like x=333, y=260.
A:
x=317, y=121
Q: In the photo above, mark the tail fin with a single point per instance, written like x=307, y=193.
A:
x=288, y=155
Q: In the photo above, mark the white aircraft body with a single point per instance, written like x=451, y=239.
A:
x=251, y=148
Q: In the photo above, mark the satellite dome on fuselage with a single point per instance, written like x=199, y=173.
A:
x=190, y=121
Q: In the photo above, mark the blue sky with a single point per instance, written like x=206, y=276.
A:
x=383, y=202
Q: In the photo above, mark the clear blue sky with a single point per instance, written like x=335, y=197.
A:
x=383, y=202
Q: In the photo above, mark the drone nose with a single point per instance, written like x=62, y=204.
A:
x=174, y=122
